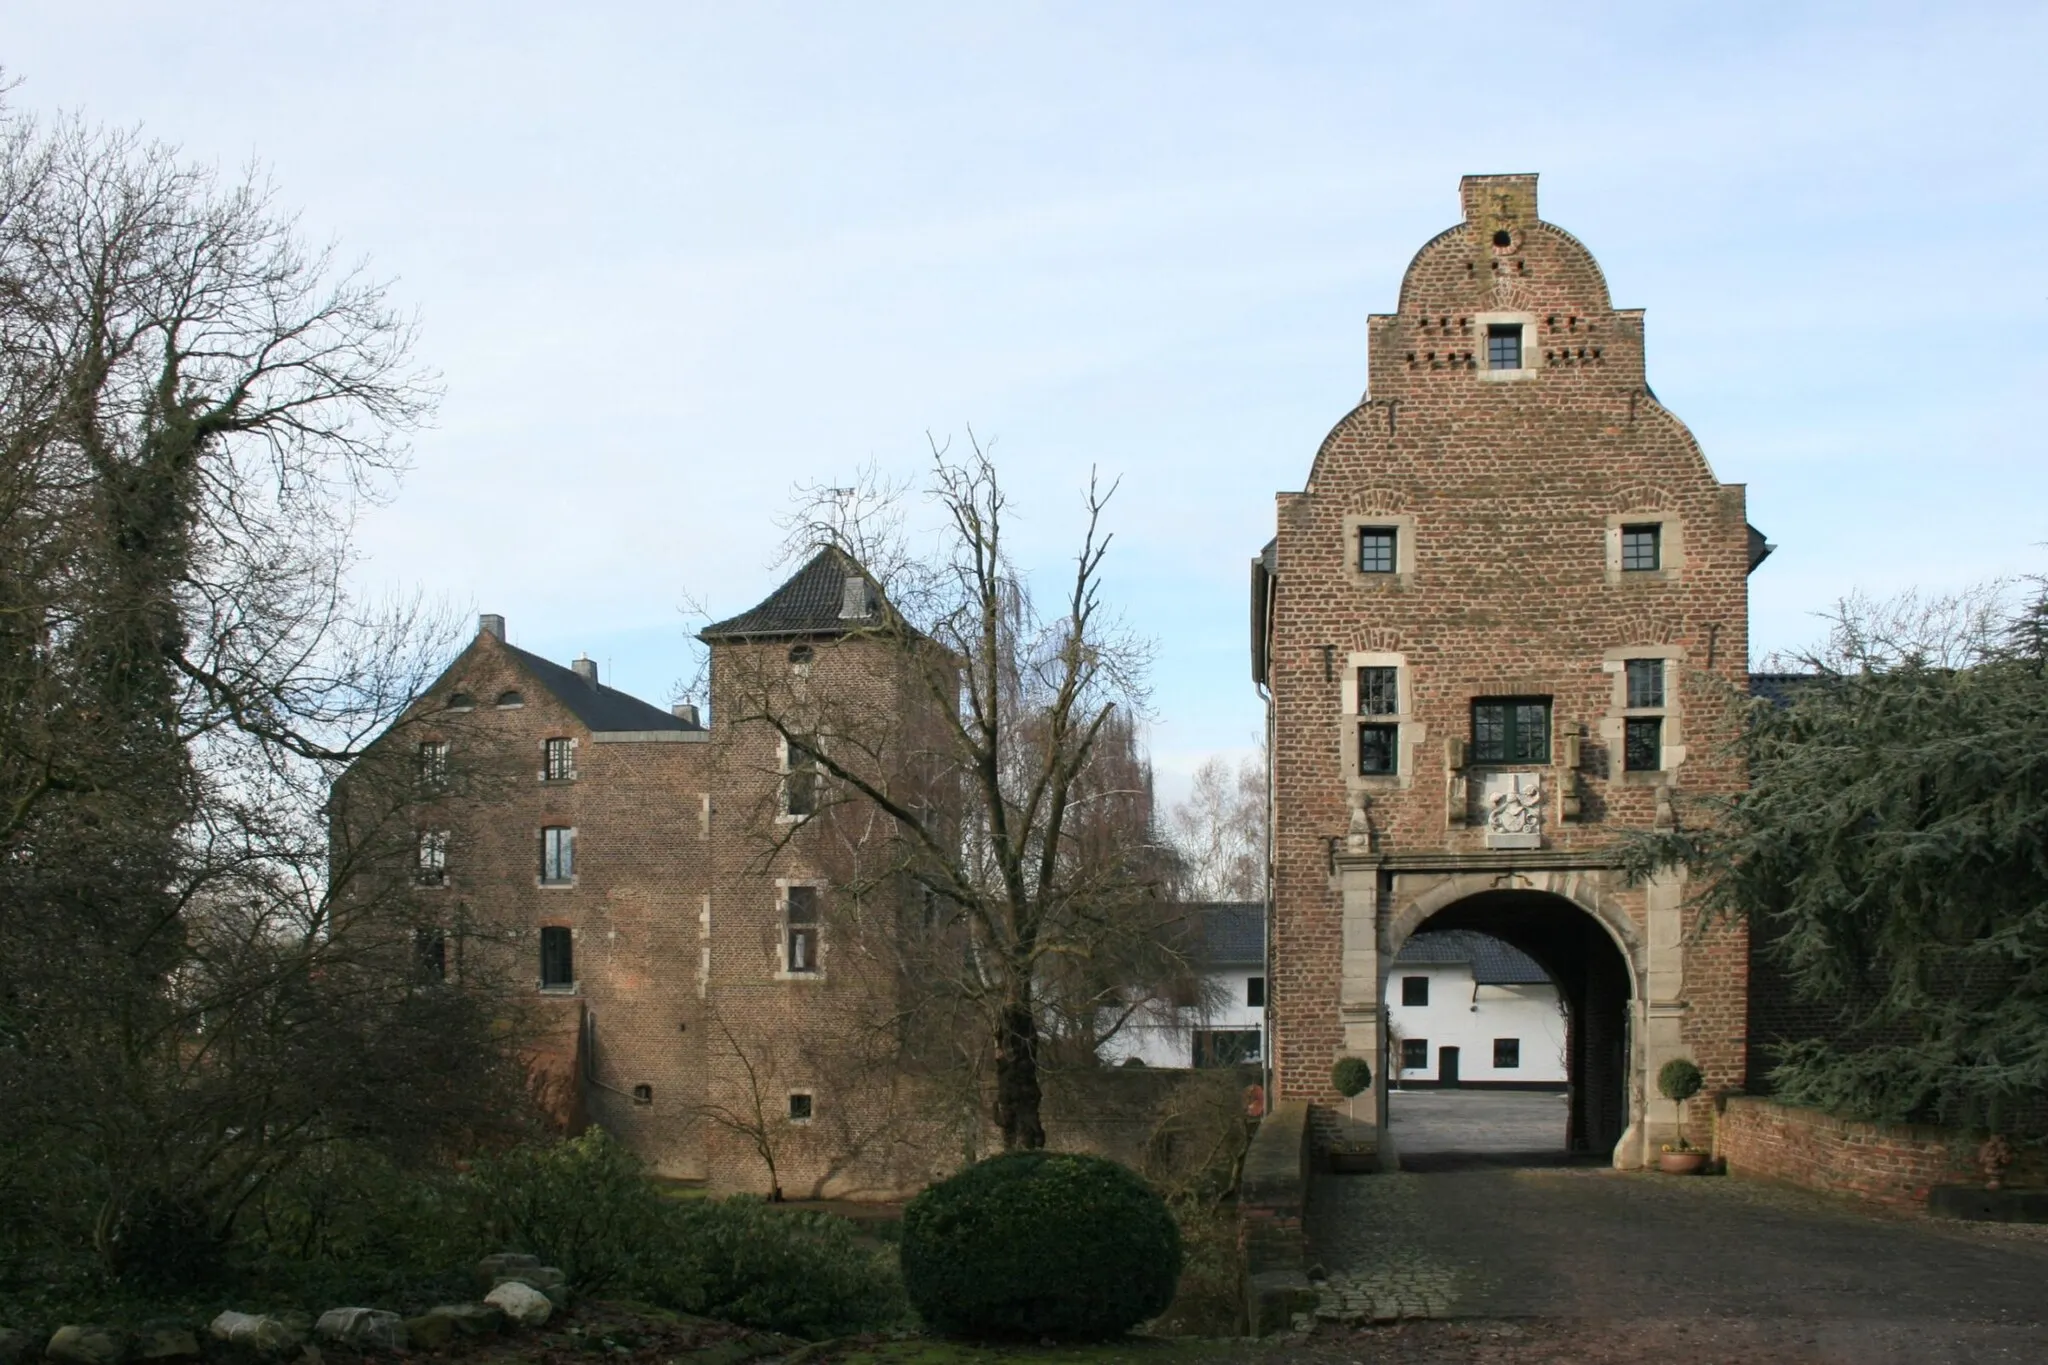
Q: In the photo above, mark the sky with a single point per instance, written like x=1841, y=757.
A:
x=674, y=260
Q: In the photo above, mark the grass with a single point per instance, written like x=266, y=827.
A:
x=1128, y=1351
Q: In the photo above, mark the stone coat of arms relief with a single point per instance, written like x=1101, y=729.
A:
x=1512, y=806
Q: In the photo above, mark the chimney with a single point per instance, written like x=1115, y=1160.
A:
x=686, y=712
x=857, y=602
x=585, y=668
x=491, y=624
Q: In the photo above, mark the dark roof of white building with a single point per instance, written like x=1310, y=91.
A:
x=1779, y=688
x=1233, y=933
x=1493, y=962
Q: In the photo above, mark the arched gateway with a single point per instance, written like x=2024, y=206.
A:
x=1498, y=626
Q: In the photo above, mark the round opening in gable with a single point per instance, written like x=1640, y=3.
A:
x=801, y=654
x=1503, y=238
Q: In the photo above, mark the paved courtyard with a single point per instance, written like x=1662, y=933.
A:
x=1793, y=1271
x=1446, y=1129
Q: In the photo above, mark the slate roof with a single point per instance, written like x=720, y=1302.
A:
x=603, y=709
x=1233, y=933
x=808, y=603
x=1494, y=963
x=1778, y=688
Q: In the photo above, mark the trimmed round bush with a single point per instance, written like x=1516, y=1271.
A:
x=1351, y=1075
x=1678, y=1080
x=1040, y=1244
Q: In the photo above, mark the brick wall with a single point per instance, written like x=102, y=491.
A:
x=1885, y=1163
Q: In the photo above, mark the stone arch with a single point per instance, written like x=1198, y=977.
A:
x=1583, y=889
x=1595, y=955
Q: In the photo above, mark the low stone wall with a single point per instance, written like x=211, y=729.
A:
x=1272, y=1208
x=1886, y=1163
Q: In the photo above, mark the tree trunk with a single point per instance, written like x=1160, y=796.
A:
x=1017, y=1091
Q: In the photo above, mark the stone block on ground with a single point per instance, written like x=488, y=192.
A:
x=168, y=1341
x=546, y=1278
x=362, y=1329
x=523, y=1304
x=256, y=1332
x=83, y=1345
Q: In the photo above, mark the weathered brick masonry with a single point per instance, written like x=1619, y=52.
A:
x=1887, y=1163
x=1540, y=528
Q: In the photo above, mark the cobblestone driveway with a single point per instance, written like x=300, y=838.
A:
x=1588, y=1242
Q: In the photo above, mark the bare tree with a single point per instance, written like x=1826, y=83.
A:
x=1220, y=831
x=989, y=823
x=200, y=987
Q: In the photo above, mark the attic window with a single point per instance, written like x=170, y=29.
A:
x=1504, y=346
x=509, y=699
x=461, y=701
x=801, y=655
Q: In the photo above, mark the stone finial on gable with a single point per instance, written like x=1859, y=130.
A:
x=1497, y=202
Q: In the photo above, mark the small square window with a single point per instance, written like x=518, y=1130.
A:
x=1507, y=1053
x=1645, y=682
x=1415, y=1054
x=1376, y=549
x=557, y=959
x=1415, y=990
x=1504, y=346
x=1378, y=750
x=559, y=760
x=1643, y=744
x=1255, y=992
x=643, y=1094
x=1379, y=691
x=799, y=1108
x=558, y=854
x=1640, y=548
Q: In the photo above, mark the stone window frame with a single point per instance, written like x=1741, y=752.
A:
x=430, y=860
x=783, y=814
x=1670, y=547
x=1532, y=356
x=1409, y=732
x=540, y=876
x=1403, y=526
x=574, y=984
x=547, y=765
x=1613, y=725
x=783, y=972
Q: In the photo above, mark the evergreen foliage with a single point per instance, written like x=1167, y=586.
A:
x=1892, y=849
x=1035, y=1244
x=1351, y=1075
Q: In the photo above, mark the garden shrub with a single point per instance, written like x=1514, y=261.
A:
x=787, y=1270
x=1037, y=1244
x=584, y=1205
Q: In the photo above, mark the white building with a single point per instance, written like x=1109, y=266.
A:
x=1467, y=1009
x=1226, y=1023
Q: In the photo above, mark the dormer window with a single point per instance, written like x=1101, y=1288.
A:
x=461, y=701
x=509, y=699
x=1504, y=346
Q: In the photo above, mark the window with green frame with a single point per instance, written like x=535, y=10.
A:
x=1511, y=730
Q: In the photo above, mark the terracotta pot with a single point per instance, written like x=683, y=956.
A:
x=1681, y=1163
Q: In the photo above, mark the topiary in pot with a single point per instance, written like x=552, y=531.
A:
x=1040, y=1244
x=1351, y=1075
x=1678, y=1080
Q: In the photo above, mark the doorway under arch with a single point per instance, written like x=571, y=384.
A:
x=1595, y=985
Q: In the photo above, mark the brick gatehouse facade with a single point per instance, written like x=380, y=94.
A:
x=1504, y=620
